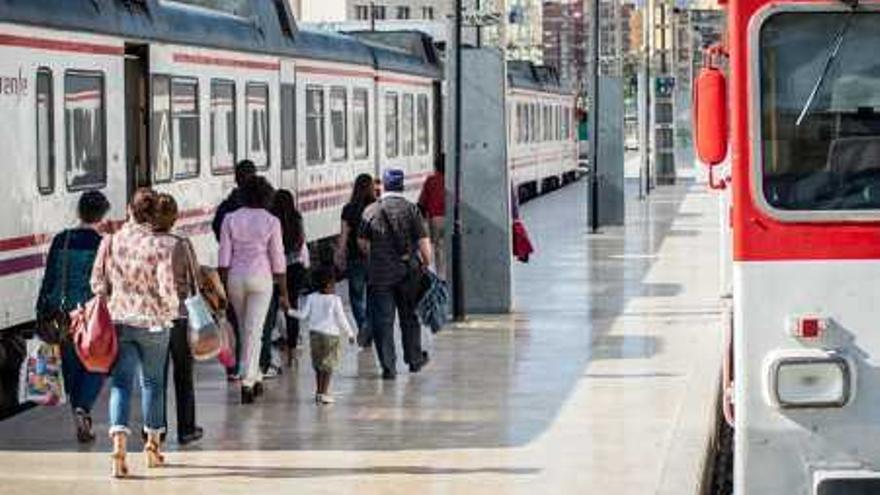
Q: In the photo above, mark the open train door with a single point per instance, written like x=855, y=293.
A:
x=137, y=119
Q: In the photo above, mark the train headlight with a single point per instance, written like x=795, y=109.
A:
x=809, y=378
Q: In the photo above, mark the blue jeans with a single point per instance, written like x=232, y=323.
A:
x=357, y=295
x=83, y=386
x=139, y=348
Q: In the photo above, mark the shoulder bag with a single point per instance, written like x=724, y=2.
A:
x=54, y=326
x=92, y=329
x=204, y=334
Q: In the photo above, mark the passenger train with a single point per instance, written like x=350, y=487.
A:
x=799, y=107
x=119, y=94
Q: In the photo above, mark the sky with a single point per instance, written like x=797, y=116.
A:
x=323, y=10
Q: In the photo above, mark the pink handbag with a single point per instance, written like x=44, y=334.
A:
x=94, y=335
x=92, y=329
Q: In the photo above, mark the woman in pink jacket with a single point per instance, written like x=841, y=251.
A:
x=251, y=262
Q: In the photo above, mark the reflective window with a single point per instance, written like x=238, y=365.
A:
x=288, y=126
x=820, y=153
x=84, y=123
x=361, y=116
x=315, y=125
x=338, y=124
x=258, y=124
x=45, y=133
x=185, y=124
x=391, y=125
x=160, y=129
x=224, y=137
x=406, y=125
x=422, y=123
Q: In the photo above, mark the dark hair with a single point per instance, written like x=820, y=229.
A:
x=92, y=207
x=143, y=205
x=166, y=213
x=323, y=278
x=284, y=207
x=256, y=192
x=363, y=193
x=244, y=170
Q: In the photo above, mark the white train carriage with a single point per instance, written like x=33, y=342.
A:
x=541, y=132
x=115, y=95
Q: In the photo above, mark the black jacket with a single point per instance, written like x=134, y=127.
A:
x=229, y=205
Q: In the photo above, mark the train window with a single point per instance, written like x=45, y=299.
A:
x=257, y=97
x=185, y=127
x=84, y=121
x=160, y=130
x=406, y=125
x=536, y=123
x=361, y=124
x=315, y=141
x=288, y=126
x=821, y=151
x=391, y=125
x=422, y=124
x=45, y=133
x=224, y=137
x=338, y=124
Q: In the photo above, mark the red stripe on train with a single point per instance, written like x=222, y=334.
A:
x=59, y=46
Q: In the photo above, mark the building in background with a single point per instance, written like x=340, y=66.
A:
x=565, y=39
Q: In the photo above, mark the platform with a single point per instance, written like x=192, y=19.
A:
x=603, y=381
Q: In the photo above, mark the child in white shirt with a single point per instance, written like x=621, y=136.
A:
x=325, y=318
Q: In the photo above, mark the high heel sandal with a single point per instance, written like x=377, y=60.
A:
x=155, y=458
x=118, y=466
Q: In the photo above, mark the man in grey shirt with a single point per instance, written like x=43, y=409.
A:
x=391, y=231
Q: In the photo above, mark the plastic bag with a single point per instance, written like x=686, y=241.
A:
x=41, y=380
x=226, y=356
x=204, y=334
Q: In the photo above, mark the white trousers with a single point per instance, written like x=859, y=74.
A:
x=250, y=297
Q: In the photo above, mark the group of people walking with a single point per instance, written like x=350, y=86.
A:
x=145, y=273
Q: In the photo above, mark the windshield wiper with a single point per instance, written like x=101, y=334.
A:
x=838, y=42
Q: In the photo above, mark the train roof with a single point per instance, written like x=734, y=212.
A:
x=260, y=26
x=522, y=74
x=403, y=51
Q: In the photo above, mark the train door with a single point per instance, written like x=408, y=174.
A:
x=137, y=117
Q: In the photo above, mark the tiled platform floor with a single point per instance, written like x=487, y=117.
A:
x=601, y=382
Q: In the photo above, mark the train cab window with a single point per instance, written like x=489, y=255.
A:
x=338, y=124
x=224, y=136
x=315, y=141
x=406, y=125
x=422, y=124
x=820, y=151
x=257, y=97
x=391, y=125
x=84, y=122
x=361, y=123
x=45, y=133
x=288, y=126
x=185, y=127
x=160, y=129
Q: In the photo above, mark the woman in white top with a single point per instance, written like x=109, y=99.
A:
x=327, y=322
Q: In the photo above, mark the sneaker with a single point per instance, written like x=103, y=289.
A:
x=193, y=436
x=388, y=374
x=83, y=420
x=327, y=399
x=272, y=372
x=415, y=368
x=233, y=377
x=247, y=395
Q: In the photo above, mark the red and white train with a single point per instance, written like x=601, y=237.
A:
x=802, y=106
x=119, y=94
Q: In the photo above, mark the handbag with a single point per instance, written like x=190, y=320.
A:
x=204, y=334
x=41, y=379
x=54, y=326
x=92, y=329
x=227, y=343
